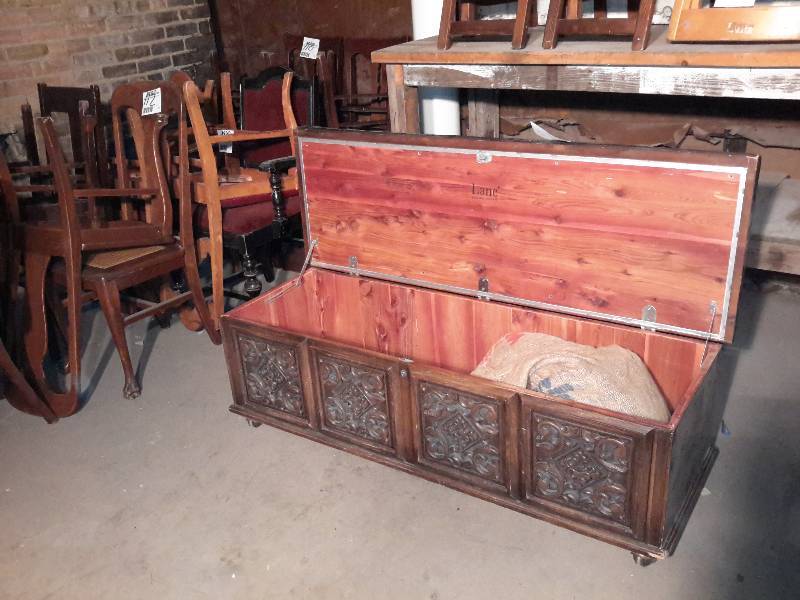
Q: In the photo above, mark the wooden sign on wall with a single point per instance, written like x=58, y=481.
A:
x=695, y=21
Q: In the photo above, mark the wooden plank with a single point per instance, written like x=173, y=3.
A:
x=403, y=102
x=484, y=113
x=596, y=53
x=712, y=82
x=598, y=237
x=775, y=233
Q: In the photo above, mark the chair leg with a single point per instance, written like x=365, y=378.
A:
x=66, y=403
x=520, y=37
x=108, y=295
x=19, y=392
x=554, y=15
x=192, y=258
x=217, y=265
x=252, y=286
x=448, y=17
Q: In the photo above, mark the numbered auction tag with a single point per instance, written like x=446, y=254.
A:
x=225, y=148
x=151, y=102
x=310, y=48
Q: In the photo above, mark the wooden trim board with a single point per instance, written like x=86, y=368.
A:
x=659, y=53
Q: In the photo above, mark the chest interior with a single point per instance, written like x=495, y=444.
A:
x=454, y=332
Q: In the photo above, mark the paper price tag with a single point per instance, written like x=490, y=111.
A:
x=734, y=3
x=151, y=102
x=310, y=48
x=225, y=148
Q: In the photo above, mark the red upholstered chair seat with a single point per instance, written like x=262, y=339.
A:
x=241, y=216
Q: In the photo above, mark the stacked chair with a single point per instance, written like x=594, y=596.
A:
x=353, y=90
x=133, y=232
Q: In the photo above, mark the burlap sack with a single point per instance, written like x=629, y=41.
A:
x=611, y=377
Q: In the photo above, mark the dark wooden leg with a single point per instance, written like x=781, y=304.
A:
x=403, y=102
x=484, y=113
x=36, y=264
x=19, y=393
x=252, y=286
x=10, y=266
x=108, y=295
x=448, y=18
x=59, y=329
x=641, y=35
x=642, y=559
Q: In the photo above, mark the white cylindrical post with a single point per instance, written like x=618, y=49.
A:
x=441, y=112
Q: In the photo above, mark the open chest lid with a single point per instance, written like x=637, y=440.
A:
x=644, y=237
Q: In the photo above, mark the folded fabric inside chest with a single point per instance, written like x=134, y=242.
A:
x=610, y=377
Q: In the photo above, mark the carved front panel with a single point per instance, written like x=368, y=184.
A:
x=272, y=375
x=355, y=400
x=461, y=431
x=582, y=468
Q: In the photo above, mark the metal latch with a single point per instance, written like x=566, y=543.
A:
x=483, y=289
x=405, y=363
x=649, y=315
x=354, y=266
x=483, y=157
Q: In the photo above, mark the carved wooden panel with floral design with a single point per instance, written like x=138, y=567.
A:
x=581, y=468
x=355, y=400
x=461, y=431
x=272, y=375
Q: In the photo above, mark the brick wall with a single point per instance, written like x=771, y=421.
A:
x=107, y=42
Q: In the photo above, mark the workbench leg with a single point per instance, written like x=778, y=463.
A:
x=403, y=102
x=484, y=113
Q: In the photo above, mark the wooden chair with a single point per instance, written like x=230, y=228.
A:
x=245, y=210
x=219, y=99
x=460, y=19
x=142, y=238
x=362, y=101
x=565, y=18
x=77, y=103
x=262, y=110
x=307, y=68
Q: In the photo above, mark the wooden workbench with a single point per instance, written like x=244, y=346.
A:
x=762, y=71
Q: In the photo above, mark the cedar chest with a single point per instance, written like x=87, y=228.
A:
x=423, y=252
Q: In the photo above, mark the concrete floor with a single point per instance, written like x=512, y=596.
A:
x=171, y=497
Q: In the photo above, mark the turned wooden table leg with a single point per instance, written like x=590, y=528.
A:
x=403, y=102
